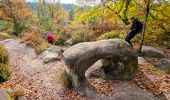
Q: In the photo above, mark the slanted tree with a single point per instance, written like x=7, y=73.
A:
x=147, y=3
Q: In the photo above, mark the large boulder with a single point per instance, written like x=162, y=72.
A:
x=5, y=95
x=163, y=64
x=152, y=52
x=119, y=59
x=53, y=53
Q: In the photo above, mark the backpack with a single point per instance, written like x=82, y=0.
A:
x=140, y=26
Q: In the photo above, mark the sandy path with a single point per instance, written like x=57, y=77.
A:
x=38, y=80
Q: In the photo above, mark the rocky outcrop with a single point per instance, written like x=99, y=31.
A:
x=152, y=52
x=119, y=59
x=53, y=53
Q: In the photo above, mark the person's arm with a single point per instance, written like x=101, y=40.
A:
x=134, y=27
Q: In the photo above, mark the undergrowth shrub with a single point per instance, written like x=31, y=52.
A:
x=3, y=25
x=4, y=72
x=35, y=40
x=60, y=38
x=109, y=35
x=4, y=60
x=78, y=33
x=82, y=35
x=60, y=34
x=18, y=26
x=65, y=79
x=3, y=55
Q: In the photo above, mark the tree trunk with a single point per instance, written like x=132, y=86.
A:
x=144, y=27
x=38, y=15
x=102, y=23
x=44, y=2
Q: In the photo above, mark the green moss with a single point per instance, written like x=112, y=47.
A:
x=4, y=72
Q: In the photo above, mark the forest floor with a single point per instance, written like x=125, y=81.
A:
x=39, y=81
x=167, y=56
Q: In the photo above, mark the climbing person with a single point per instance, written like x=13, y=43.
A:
x=136, y=27
x=50, y=38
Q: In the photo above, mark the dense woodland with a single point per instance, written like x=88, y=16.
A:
x=96, y=19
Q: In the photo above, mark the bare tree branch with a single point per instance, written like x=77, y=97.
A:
x=121, y=8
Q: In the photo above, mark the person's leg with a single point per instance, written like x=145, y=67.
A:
x=130, y=35
x=127, y=39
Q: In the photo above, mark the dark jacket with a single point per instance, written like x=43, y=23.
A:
x=136, y=26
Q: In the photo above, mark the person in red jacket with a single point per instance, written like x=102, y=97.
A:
x=50, y=37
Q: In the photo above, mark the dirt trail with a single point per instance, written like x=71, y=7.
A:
x=38, y=80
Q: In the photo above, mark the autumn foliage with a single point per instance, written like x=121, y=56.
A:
x=35, y=40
